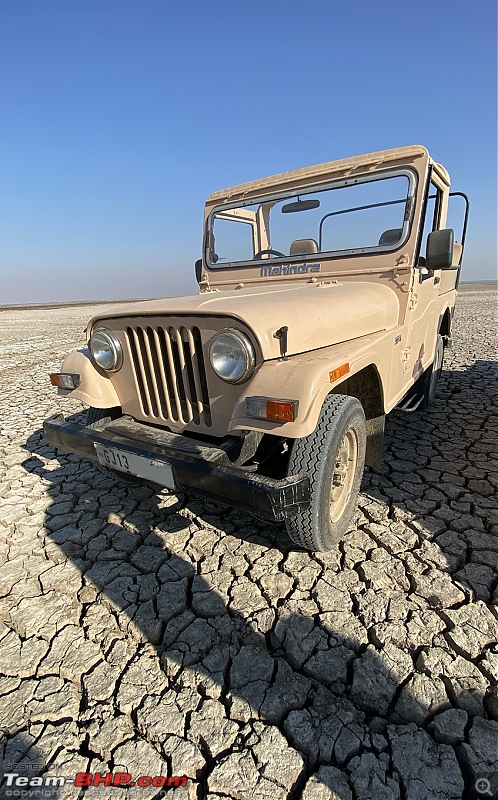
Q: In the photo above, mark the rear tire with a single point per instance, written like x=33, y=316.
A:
x=334, y=457
x=432, y=374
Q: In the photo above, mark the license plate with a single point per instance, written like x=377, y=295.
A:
x=148, y=468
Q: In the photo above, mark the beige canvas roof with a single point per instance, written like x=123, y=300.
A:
x=343, y=166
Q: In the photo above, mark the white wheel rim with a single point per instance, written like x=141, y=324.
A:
x=343, y=475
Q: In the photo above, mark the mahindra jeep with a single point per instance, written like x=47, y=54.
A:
x=326, y=297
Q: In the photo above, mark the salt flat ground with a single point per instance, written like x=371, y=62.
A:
x=161, y=634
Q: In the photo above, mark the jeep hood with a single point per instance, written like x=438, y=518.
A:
x=317, y=315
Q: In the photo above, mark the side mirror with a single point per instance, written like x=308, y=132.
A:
x=198, y=270
x=439, y=253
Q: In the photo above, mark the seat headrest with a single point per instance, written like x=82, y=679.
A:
x=301, y=246
x=390, y=237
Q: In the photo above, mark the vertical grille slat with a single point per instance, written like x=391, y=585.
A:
x=182, y=375
x=153, y=371
x=169, y=372
x=195, y=372
x=173, y=370
x=202, y=376
x=167, y=361
x=166, y=409
x=146, y=371
x=137, y=369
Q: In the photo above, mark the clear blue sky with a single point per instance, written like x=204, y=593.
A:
x=118, y=118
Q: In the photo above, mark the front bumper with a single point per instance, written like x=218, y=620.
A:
x=197, y=467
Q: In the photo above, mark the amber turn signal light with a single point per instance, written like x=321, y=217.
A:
x=335, y=374
x=274, y=410
x=281, y=411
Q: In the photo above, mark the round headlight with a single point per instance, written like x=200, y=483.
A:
x=106, y=350
x=232, y=356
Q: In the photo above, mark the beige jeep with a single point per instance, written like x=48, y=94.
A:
x=326, y=300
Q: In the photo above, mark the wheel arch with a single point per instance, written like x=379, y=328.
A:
x=445, y=325
x=366, y=386
x=95, y=389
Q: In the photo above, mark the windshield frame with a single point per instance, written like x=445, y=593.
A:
x=302, y=191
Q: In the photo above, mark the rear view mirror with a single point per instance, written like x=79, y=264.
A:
x=300, y=205
x=198, y=270
x=439, y=254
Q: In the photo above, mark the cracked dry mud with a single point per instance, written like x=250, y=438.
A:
x=167, y=635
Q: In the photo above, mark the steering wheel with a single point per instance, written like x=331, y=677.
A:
x=270, y=252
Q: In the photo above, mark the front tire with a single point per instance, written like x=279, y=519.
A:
x=334, y=457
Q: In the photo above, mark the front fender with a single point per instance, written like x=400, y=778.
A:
x=304, y=378
x=95, y=387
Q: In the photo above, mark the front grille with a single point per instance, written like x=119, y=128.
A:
x=169, y=373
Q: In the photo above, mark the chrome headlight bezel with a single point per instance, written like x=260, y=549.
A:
x=114, y=347
x=248, y=355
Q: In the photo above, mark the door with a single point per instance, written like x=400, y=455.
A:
x=424, y=306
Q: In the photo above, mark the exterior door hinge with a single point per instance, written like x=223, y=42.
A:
x=406, y=354
x=413, y=300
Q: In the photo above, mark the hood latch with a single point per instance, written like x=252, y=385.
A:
x=281, y=335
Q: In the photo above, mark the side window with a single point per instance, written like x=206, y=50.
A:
x=232, y=241
x=432, y=216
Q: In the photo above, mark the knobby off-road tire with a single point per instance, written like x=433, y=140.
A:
x=431, y=375
x=97, y=415
x=334, y=457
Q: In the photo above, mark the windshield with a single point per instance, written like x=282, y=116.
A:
x=355, y=216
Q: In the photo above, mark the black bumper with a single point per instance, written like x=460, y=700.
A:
x=197, y=467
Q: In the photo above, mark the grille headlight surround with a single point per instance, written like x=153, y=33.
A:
x=106, y=349
x=232, y=356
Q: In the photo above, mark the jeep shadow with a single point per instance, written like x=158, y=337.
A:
x=339, y=651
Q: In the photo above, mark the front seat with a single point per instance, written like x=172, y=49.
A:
x=391, y=236
x=300, y=247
